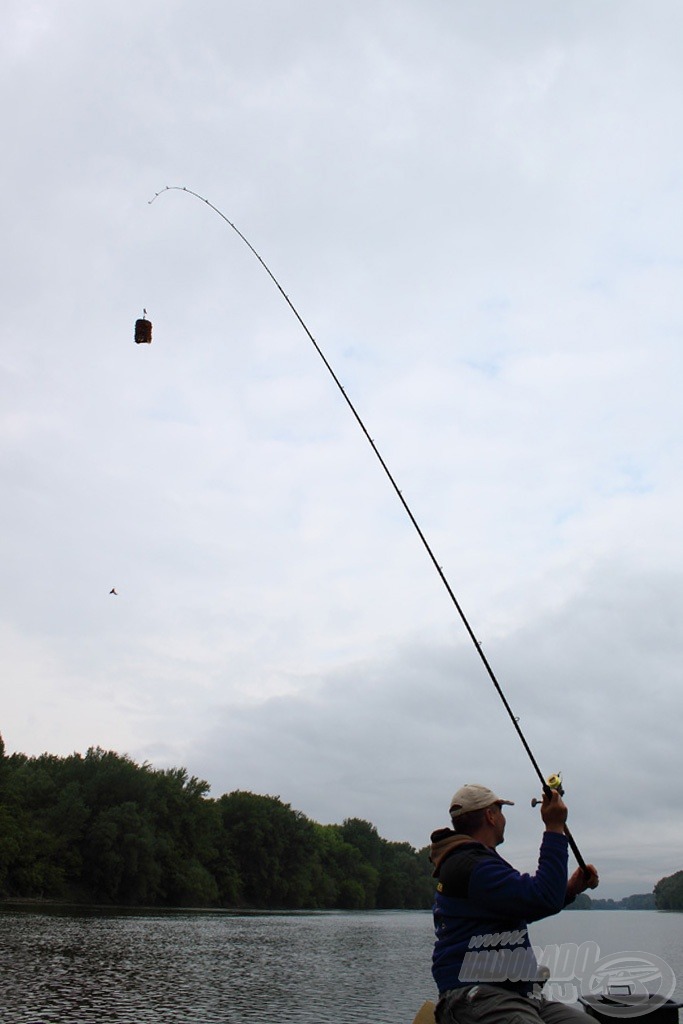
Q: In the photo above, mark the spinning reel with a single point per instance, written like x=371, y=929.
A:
x=553, y=782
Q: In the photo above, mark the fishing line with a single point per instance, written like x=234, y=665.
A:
x=515, y=721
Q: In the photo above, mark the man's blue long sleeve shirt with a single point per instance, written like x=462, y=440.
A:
x=490, y=914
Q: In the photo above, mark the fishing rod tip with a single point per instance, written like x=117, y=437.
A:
x=168, y=188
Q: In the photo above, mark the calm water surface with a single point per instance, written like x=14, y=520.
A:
x=620, y=931
x=200, y=968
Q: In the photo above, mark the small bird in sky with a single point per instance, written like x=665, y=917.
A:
x=113, y=591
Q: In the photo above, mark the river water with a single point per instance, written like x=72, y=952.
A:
x=67, y=966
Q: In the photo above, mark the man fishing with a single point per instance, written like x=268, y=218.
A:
x=483, y=964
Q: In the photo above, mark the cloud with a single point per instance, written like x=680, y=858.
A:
x=476, y=210
x=590, y=683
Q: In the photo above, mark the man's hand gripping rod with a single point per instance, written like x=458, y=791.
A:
x=553, y=784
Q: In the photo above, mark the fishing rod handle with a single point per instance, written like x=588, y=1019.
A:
x=575, y=850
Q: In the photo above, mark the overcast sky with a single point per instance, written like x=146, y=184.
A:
x=477, y=208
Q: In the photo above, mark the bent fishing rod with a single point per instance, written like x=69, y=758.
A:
x=547, y=787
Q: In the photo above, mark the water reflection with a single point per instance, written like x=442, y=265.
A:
x=90, y=967
x=206, y=968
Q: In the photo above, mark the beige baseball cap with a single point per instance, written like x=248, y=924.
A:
x=474, y=798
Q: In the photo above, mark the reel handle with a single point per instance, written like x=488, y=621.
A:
x=554, y=784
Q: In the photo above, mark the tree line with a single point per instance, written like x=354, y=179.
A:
x=667, y=895
x=669, y=892
x=101, y=828
x=639, y=901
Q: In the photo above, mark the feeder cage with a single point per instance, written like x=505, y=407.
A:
x=143, y=332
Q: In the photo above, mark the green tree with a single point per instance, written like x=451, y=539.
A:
x=357, y=880
x=365, y=838
x=669, y=892
x=101, y=827
x=119, y=856
x=270, y=845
